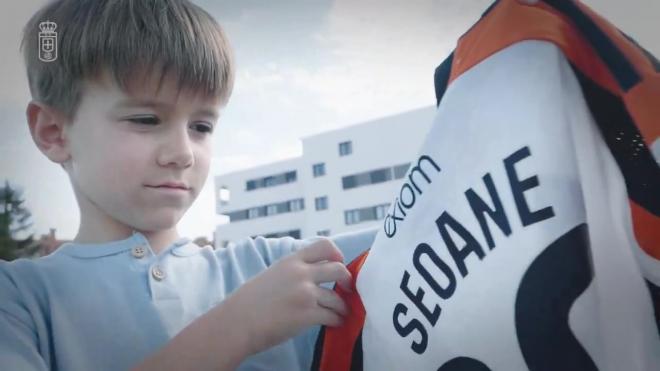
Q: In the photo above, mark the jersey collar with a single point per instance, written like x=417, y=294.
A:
x=98, y=250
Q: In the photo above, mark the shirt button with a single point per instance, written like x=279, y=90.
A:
x=139, y=252
x=157, y=273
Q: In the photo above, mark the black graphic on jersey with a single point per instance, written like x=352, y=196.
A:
x=464, y=364
x=550, y=286
x=655, y=298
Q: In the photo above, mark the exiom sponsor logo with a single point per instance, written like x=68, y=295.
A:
x=409, y=192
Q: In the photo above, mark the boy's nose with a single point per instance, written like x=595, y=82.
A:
x=176, y=150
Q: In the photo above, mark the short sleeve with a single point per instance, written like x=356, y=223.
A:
x=18, y=336
x=351, y=244
x=269, y=250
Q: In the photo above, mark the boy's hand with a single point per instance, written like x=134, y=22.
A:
x=279, y=302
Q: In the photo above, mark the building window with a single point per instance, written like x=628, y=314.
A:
x=362, y=179
x=371, y=177
x=293, y=233
x=271, y=209
x=297, y=205
x=283, y=207
x=348, y=182
x=381, y=211
x=321, y=203
x=290, y=177
x=267, y=210
x=345, y=148
x=318, y=169
x=323, y=232
x=236, y=216
x=271, y=180
x=253, y=213
x=401, y=170
x=352, y=217
x=380, y=176
x=365, y=214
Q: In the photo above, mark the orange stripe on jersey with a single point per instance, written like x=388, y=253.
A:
x=647, y=230
x=642, y=64
x=495, y=32
x=643, y=103
x=642, y=100
x=510, y=22
x=339, y=342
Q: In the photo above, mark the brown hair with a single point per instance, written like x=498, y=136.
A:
x=126, y=38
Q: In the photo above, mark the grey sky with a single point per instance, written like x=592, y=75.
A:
x=303, y=67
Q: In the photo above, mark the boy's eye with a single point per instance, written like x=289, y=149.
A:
x=145, y=120
x=204, y=128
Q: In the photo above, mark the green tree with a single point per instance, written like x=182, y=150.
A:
x=15, y=219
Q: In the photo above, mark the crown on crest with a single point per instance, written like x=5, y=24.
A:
x=47, y=26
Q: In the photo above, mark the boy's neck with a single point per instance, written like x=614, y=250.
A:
x=158, y=240
x=97, y=226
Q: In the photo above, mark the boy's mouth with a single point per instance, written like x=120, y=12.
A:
x=171, y=185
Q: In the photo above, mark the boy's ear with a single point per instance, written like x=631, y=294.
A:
x=47, y=127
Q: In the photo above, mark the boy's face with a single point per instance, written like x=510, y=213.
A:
x=130, y=153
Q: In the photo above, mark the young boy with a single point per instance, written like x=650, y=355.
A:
x=126, y=103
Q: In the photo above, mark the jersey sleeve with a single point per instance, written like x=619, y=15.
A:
x=18, y=334
x=351, y=244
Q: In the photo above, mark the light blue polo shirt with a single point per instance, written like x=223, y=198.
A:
x=108, y=306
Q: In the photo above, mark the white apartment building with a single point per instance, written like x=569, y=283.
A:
x=345, y=180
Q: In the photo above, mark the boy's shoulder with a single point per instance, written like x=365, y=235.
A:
x=23, y=274
x=29, y=266
x=24, y=286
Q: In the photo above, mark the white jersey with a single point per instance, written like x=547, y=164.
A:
x=509, y=246
x=526, y=234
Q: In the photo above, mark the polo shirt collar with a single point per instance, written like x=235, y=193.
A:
x=98, y=250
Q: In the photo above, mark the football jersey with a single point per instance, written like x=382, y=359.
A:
x=526, y=233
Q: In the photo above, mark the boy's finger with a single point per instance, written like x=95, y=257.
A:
x=330, y=300
x=320, y=251
x=331, y=272
x=327, y=317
